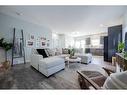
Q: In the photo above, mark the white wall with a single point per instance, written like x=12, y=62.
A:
x=7, y=23
x=61, y=41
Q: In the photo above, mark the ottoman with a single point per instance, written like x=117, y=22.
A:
x=85, y=58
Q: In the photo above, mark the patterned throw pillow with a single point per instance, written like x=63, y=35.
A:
x=58, y=51
x=50, y=52
x=47, y=53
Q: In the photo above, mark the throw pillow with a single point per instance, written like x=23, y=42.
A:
x=58, y=52
x=42, y=52
x=47, y=53
x=65, y=51
x=50, y=52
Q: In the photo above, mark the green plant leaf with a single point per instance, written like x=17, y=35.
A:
x=121, y=47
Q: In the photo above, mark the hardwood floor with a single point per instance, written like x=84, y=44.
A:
x=98, y=60
x=26, y=77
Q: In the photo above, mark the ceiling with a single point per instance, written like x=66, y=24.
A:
x=75, y=20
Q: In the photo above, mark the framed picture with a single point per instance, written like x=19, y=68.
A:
x=29, y=43
x=43, y=43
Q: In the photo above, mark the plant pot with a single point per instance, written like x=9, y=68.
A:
x=6, y=64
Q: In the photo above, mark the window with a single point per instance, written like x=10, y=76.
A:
x=77, y=44
x=102, y=40
x=82, y=44
x=95, y=42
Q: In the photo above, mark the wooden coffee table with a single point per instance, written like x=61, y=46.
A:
x=72, y=60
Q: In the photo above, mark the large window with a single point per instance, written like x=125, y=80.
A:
x=80, y=44
x=94, y=41
x=77, y=44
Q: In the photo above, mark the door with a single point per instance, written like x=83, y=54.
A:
x=114, y=37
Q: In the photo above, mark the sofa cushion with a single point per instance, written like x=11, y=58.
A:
x=50, y=52
x=85, y=58
x=51, y=62
x=64, y=55
x=42, y=52
x=58, y=51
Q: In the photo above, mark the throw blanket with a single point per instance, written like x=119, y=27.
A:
x=116, y=81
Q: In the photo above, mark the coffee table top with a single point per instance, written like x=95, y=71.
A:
x=73, y=59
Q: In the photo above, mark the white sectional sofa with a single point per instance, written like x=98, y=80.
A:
x=53, y=64
x=46, y=66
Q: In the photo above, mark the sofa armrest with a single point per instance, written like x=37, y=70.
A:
x=35, y=59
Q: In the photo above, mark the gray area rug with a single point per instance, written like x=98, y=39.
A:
x=23, y=76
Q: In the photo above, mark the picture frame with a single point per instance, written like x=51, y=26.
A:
x=29, y=43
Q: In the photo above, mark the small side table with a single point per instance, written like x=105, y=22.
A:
x=73, y=60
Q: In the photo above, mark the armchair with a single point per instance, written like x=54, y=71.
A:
x=96, y=79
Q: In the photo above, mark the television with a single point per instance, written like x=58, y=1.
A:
x=126, y=41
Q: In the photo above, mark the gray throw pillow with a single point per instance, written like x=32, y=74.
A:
x=46, y=51
x=50, y=52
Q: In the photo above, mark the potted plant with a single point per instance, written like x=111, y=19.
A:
x=6, y=46
x=121, y=47
x=72, y=53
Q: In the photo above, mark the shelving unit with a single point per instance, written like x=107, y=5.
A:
x=22, y=51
